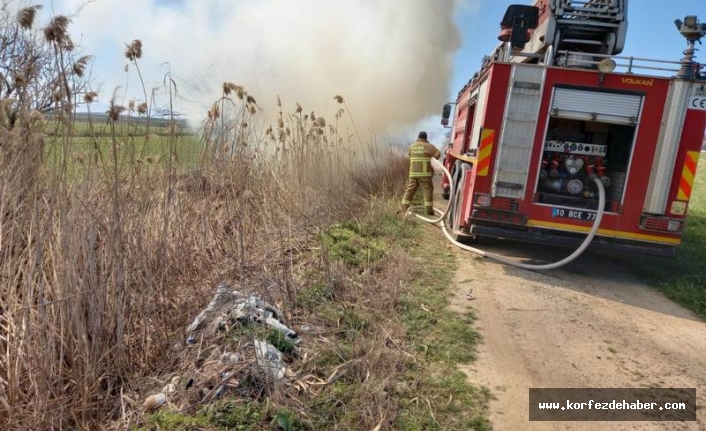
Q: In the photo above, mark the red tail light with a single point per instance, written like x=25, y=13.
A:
x=483, y=200
x=661, y=224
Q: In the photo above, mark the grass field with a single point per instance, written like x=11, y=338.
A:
x=126, y=127
x=683, y=279
x=94, y=143
x=137, y=148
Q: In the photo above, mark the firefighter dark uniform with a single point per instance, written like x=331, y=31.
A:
x=421, y=173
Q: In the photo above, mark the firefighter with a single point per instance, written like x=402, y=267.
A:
x=421, y=173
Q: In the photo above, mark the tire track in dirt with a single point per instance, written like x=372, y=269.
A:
x=588, y=325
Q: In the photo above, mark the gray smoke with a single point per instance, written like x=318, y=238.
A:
x=391, y=60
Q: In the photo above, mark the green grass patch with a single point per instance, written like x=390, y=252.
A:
x=225, y=415
x=83, y=152
x=281, y=342
x=347, y=243
x=432, y=327
x=428, y=391
x=364, y=242
x=287, y=420
x=87, y=147
x=231, y=415
x=683, y=278
x=99, y=126
x=442, y=400
x=315, y=295
x=444, y=339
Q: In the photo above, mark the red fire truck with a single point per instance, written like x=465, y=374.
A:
x=553, y=107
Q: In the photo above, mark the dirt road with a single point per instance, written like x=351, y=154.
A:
x=589, y=325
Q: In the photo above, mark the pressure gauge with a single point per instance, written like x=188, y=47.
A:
x=575, y=187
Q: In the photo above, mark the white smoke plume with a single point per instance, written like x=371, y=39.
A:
x=391, y=60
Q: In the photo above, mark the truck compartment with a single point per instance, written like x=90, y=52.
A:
x=573, y=150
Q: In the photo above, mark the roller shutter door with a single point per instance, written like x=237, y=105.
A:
x=596, y=106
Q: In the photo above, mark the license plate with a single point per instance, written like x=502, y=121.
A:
x=574, y=214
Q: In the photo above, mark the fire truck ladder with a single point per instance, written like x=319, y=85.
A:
x=600, y=10
x=519, y=127
x=591, y=24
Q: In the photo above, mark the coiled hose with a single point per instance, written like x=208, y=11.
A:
x=441, y=222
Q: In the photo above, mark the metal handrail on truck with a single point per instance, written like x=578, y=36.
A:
x=568, y=57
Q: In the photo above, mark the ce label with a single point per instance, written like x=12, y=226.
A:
x=698, y=103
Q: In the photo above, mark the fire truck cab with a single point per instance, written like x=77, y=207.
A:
x=553, y=107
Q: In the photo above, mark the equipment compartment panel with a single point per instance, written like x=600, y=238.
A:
x=577, y=148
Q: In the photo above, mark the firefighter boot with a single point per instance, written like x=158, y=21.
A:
x=430, y=211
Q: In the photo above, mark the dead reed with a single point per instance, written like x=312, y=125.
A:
x=102, y=267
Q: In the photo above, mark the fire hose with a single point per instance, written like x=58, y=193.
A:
x=441, y=222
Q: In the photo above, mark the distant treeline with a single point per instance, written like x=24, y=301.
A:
x=135, y=119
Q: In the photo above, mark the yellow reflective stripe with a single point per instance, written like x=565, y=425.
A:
x=604, y=232
x=423, y=169
x=486, y=150
x=686, y=184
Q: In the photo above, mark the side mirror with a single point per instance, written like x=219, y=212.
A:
x=446, y=114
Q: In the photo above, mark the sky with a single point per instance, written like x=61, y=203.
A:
x=395, y=62
x=651, y=31
x=651, y=34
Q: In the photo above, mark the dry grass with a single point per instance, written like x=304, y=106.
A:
x=102, y=267
x=381, y=351
x=100, y=271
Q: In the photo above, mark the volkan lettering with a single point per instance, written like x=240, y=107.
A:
x=637, y=81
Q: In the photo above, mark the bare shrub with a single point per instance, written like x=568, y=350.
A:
x=38, y=69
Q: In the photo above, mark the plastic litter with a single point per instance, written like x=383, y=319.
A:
x=230, y=358
x=277, y=325
x=222, y=295
x=270, y=360
x=155, y=401
x=232, y=307
x=215, y=367
x=219, y=393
